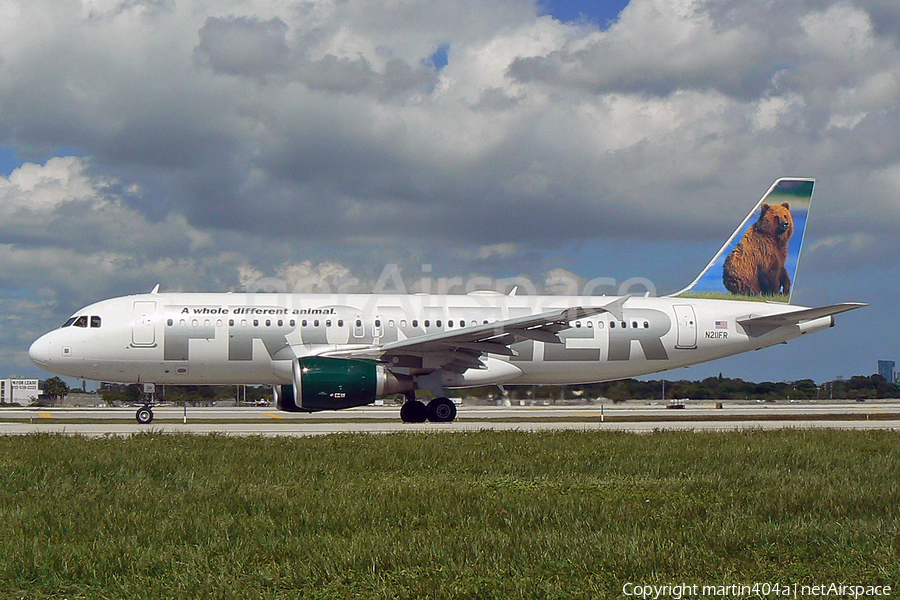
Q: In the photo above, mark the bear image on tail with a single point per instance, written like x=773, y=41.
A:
x=756, y=265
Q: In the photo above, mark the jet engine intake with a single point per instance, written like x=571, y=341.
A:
x=335, y=383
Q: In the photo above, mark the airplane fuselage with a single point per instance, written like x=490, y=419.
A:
x=218, y=338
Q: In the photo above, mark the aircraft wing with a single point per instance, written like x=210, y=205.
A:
x=461, y=349
x=759, y=325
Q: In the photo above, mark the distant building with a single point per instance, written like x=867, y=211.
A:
x=886, y=370
x=23, y=391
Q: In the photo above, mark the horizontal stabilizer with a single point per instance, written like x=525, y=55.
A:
x=762, y=324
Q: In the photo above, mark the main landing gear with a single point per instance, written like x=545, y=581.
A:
x=439, y=410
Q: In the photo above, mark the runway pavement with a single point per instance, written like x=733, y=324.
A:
x=634, y=416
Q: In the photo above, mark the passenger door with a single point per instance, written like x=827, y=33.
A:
x=687, y=326
x=143, y=329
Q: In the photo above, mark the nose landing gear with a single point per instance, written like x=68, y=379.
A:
x=144, y=414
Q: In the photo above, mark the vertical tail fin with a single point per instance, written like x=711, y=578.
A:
x=759, y=260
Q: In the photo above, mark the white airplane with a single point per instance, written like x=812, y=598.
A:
x=334, y=351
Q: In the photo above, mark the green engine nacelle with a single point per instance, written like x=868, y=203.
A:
x=335, y=383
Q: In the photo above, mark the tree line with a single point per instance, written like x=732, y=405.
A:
x=858, y=387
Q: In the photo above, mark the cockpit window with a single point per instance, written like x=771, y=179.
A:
x=81, y=321
x=69, y=322
x=95, y=321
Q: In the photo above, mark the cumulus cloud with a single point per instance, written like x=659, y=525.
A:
x=213, y=144
x=657, y=48
x=62, y=204
x=42, y=188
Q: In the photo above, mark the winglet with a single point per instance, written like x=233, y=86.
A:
x=615, y=307
x=759, y=260
x=581, y=312
x=155, y=290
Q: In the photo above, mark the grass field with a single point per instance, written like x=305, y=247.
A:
x=743, y=297
x=469, y=515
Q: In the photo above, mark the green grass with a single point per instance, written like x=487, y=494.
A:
x=743, y=297
x=468, y=515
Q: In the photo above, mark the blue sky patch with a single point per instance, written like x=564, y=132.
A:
x=600, y=12
x=440, y=58
x=10, y=159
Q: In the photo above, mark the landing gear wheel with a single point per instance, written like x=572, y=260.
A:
x=413, y=411
x=144, y=415
x=441, y=410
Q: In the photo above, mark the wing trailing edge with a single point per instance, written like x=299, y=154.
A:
x=490, y=338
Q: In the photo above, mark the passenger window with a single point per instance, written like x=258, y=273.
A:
x=634, y=324
x=450, y=323
x=599, y=324
x=612, y=324
x=402, y=322
x=95, y=321
x=390, y=322
x=316, y=323
x=256, y=322
x=231, y=322
x=646, y=325
x=280, y=323
x=207, y=323
x=427, y=323
x=358, y=323
x=624, y=325
x=243, y=322
x=437, y=323
x=194, y=322
x=340, y=322
x=303, y=322
x=218, y=322
x=590, y=324
x=81, y=322
x=377, y=322
x=577, y=324
x=293, y=323
x=170, y=322
x=415, y=323
x=328, y=323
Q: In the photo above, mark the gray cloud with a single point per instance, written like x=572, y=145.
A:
x=218, y=139
x=243, y=45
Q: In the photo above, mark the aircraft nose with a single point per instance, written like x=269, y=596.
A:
x=40, y=351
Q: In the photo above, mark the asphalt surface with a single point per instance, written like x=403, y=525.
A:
x=633, y=416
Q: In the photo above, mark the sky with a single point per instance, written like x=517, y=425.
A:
x=210, y=144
